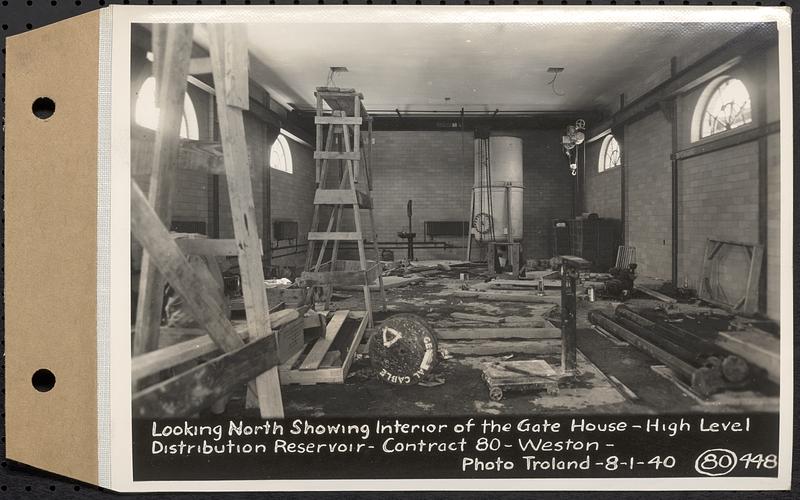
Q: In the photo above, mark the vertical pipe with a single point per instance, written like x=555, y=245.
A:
x=672, y=114
x=674, y=165
x=763, y=173
x=568, y=308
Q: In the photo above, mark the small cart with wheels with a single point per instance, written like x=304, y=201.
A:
x=528, y=375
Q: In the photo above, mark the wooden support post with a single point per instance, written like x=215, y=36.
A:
x=569, y=277
x=228, y=70
x=172, y=51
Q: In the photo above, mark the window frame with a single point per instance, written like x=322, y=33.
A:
x=282, y=143
x=188, y=118
x=703, y=101
x=601, y=161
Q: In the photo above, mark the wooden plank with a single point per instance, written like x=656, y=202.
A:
x=338, y=120
x=235, y=66
x=197, y=156
x=388, y=282
x=341, y=197
x=212, y=247
x=498, y=296
x=751, y=294
x=314, y=357
x=334, y=235
x=336, y=155
x=200, y=387
x=323, y=278
x=332, y=359
x=481, y=318
x=231, y=69
x=498, y=347
x=174, y=47
x=498, y=333
x=655, y=294
x=351, y=351
x=162, y=359
x=312, y=377
x=200, y=66
x=757, y=347
x=533, y=322
x=525, y=285
x=193, y=284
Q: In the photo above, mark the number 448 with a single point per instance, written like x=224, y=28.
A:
x=759, y=461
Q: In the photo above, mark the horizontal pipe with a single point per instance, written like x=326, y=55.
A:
x=662, y=341
x=678, y=365
x=692, y=341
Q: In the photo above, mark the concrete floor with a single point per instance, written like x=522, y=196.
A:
x=465, y=393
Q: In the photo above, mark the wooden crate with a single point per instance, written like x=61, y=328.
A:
x=322, y=362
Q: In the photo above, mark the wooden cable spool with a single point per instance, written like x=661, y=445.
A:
x=403, y=349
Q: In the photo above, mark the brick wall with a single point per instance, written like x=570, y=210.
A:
x=432, y=168
x=435, y=170
x=646, y=152
x=718, y=199
x=773, y=267
x=601, y=189
x=549, y=189
x=293, y=199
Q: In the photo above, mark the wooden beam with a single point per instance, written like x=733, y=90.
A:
x=314, y=357
x=497, y=347
x=235, y=66
x=200, y=387
x=499, y=296
x=193, y=284
x=728, y=141
x=333, y=235
x=224, y=39
x=197, y=156
x=655, y=294
x=497, y=333
x=337, y=120
x=172, y=50
x=336, y=155
x=156, y=361
x=755, y=346
x=212, y=247
x=200, y=66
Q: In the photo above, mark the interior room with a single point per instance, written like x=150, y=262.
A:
x=451, y=219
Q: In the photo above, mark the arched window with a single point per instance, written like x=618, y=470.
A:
x=280, y=156
x=610, y=156
x=724, y=105
x=146, y=113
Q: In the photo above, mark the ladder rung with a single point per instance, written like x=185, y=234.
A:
x=336, y=155
x=341, y=197
x=337, y=120
x=334, y=235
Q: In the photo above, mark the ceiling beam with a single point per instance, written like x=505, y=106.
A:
x=753, y=40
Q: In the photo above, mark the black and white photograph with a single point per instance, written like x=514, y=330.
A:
x=536, y=245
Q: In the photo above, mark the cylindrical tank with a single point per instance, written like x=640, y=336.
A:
x=504, y=156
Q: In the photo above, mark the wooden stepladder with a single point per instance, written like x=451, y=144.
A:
x=344, y=144
x=164, y=258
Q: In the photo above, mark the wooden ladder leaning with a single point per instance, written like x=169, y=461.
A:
x=164, y=259
x=343, y=143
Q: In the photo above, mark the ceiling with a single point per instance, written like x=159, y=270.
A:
x=478, y=66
